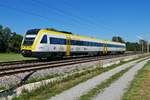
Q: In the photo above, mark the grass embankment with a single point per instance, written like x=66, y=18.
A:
x=4, y=57
x=140, y=86
x=100, y=87
x=56, y=87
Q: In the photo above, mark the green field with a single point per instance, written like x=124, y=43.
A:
x=4, y=57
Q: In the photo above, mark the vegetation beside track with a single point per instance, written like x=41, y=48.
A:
x=56, y=87
x=2, y=88
x=99, y=88
x=140, y=86
x=5, y=57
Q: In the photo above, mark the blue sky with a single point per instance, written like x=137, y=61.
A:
x=95, y=18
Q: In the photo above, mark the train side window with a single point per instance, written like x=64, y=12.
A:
x=73, y=42
x=44, y=39
x=57, y=41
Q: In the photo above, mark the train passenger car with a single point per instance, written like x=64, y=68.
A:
x=43, y=43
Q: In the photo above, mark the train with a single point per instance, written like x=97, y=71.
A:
x=47, y=43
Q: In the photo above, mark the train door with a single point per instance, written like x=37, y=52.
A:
x=43, y=45
x=68, y=46
x=105, y=48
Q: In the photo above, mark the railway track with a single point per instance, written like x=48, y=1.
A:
x=9, y=69
x=17, y=62
x=11, y=63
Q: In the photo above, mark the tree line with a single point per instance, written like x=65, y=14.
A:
x=9, y=41
x=133, y=46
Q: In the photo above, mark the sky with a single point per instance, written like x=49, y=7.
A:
x=129, y=19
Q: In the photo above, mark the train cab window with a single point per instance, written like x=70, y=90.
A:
x=28, y=41
x=44, y=39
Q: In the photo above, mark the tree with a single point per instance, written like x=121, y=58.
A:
x=5, y=34
x=9, y=42
x=117, y=39
x=15, y=42
x=132, y=46
x=1, y=44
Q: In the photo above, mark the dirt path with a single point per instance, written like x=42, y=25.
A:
x=77, y=91
x=116, y=90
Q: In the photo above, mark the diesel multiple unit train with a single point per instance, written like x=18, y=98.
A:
x=45, y=43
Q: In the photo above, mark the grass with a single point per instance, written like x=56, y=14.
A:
x=5, y=57
x=140, y=86
x=2, y=88
x=100, y=87
x=37, y=79
x=56, y=87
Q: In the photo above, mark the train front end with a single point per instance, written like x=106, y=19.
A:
x=28, y=42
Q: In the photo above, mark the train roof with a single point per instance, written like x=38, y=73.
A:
x=84, y=37
x=52, y=29
x=33, y=31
